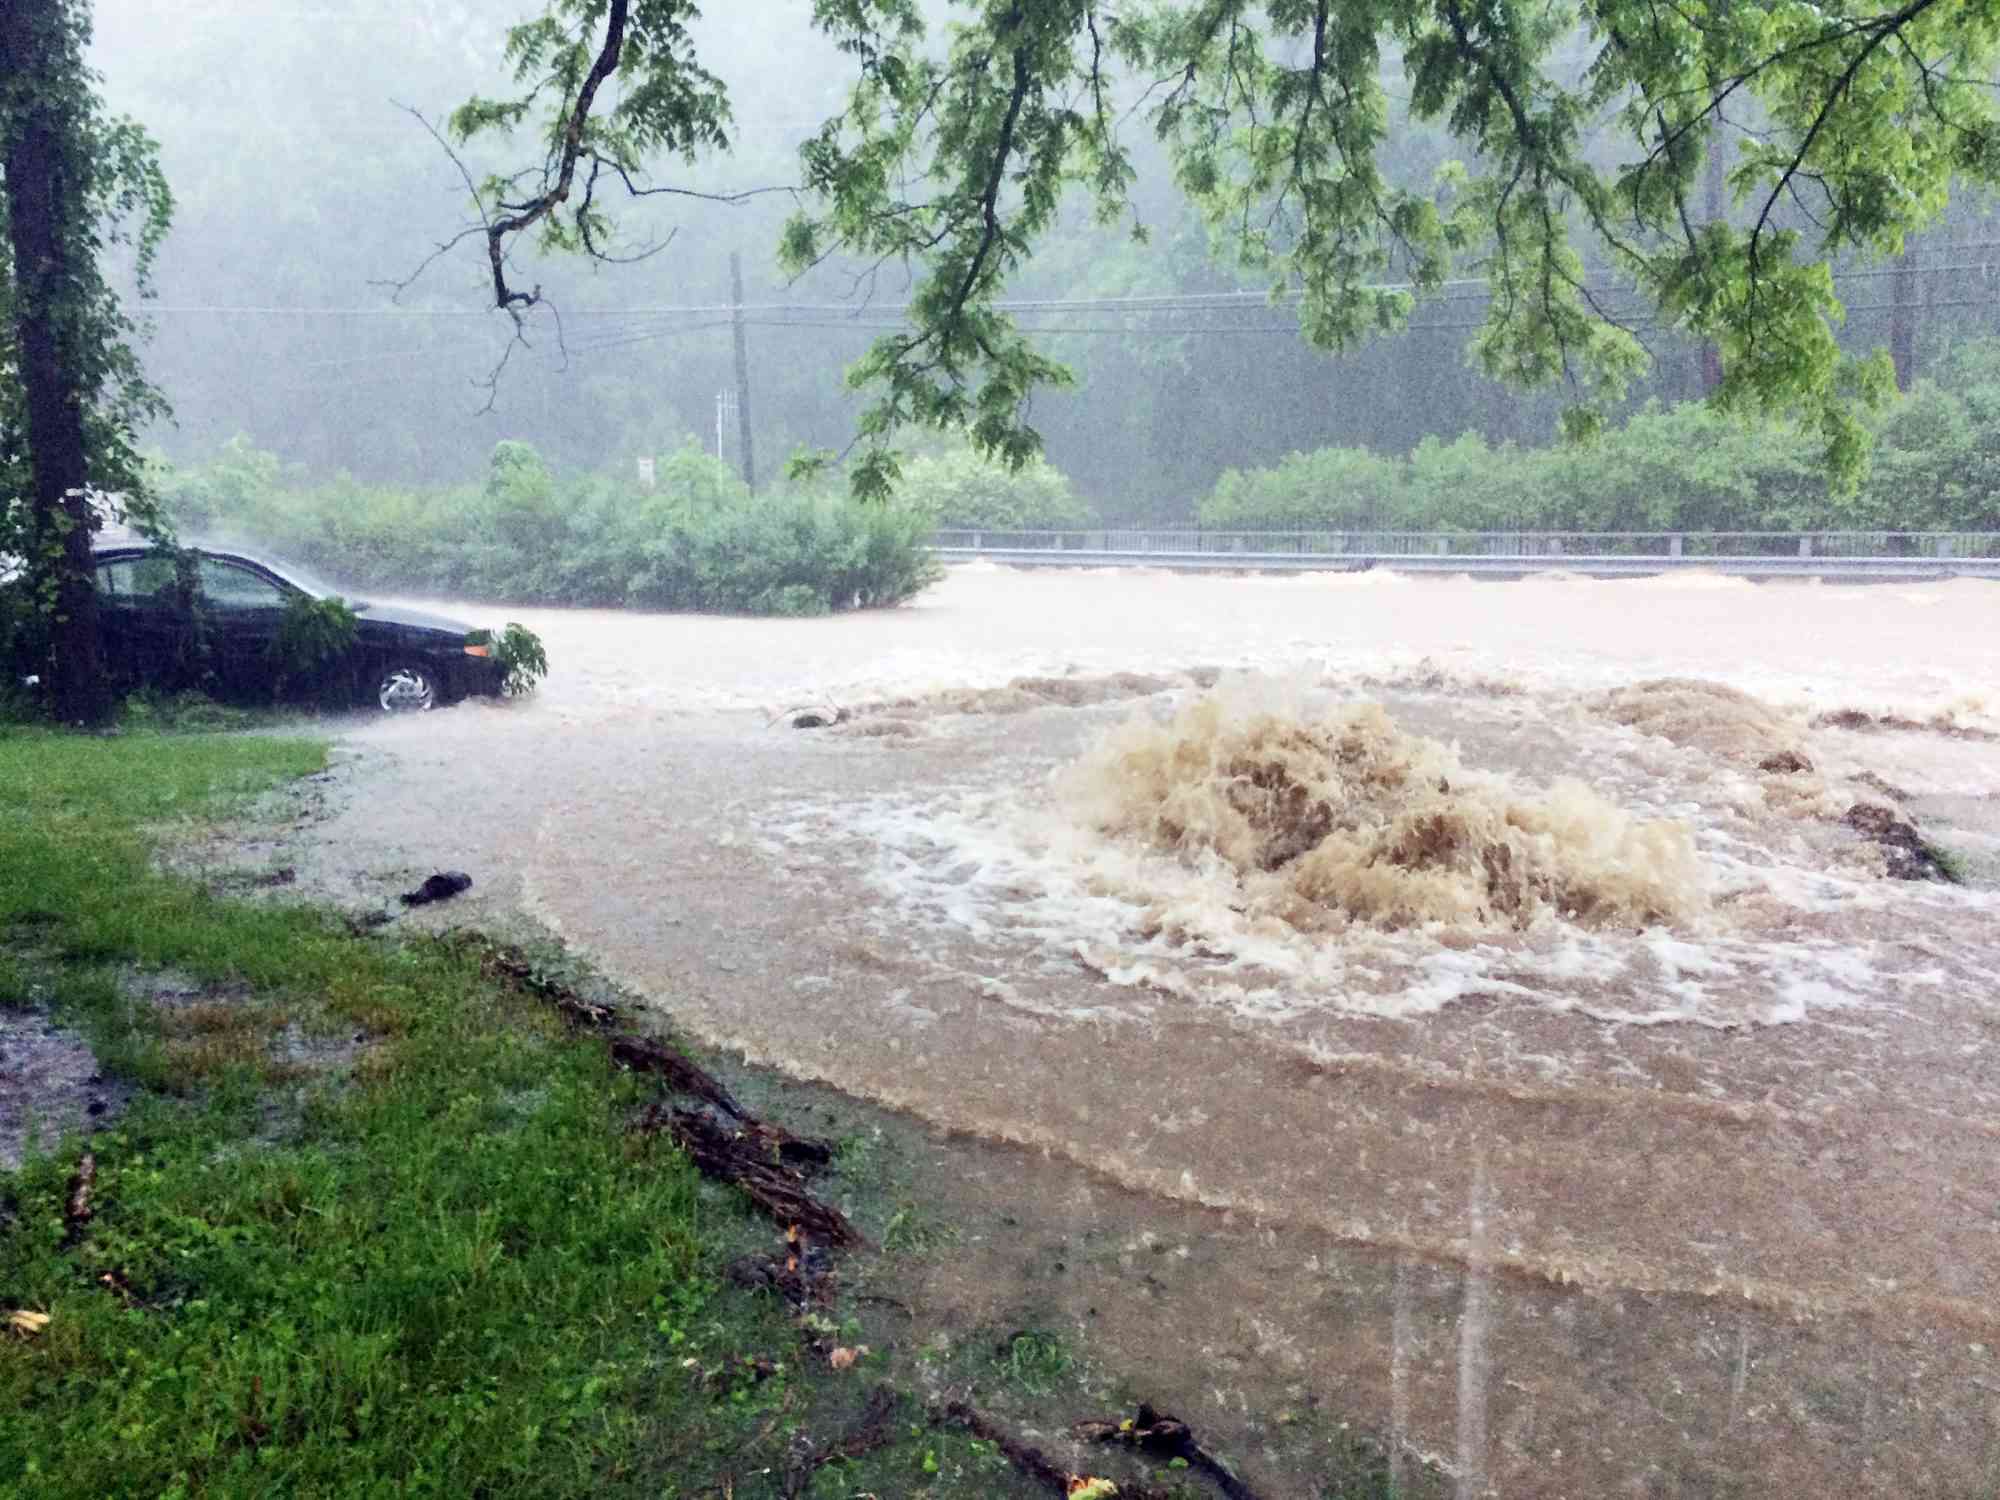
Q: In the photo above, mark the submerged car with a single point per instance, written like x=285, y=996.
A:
x=400, y=660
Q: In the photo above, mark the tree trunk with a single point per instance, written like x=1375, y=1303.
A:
x=45, y=221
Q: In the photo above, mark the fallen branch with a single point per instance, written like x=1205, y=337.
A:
x=644, y=1055
x=1027, y=1459
x=505, y=962
x=752, y=1156
x=1165, y=1438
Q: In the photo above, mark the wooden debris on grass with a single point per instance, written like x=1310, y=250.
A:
x=642, y=1054
x=767, y=1162
x=26, y=1323
x=1031, y=1461
x=1164, y=1438
x=510, y=965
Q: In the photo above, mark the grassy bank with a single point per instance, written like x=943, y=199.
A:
x=373, y=1221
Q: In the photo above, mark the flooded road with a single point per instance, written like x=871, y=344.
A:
x=1479, y=1004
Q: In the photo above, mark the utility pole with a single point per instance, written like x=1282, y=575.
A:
x=742, y=369
x=1903, y=318
x=1711, y=356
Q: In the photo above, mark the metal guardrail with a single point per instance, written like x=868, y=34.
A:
x=1886, y=554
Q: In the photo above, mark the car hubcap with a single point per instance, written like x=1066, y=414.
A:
x=405, y=692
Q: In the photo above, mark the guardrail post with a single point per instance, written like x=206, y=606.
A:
x=1944, y=546
x=1674, y=545
x=978, y=541
x=1805, y=546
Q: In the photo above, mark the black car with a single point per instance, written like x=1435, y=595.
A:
x=402, y=660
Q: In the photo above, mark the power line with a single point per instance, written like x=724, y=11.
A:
x=1135, y=301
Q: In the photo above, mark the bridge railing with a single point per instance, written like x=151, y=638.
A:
x=1543, y=546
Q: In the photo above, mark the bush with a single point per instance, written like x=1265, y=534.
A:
x=962, y=489
x=519, y=650
x=1682, y=468
x=697, y=540
x=1347, y=488
x=313, y=636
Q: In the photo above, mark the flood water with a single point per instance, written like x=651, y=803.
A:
x=1469, y=994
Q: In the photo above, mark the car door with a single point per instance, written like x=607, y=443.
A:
x=244, y=607
x=139, y=622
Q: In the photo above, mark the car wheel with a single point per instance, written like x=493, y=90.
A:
x=406, y=688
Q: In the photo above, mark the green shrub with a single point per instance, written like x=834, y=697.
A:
x=962, y=489
x=696, y=540
x=1936, y=466
x=313, y=635
x=519, y=650
x=1347, y=488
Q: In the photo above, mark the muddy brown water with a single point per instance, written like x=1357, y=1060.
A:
x=1692, y=1196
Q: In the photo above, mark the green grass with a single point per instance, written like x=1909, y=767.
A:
x=440, y=1267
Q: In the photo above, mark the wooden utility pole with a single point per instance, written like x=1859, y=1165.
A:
x=1903, y=318
x=742, y=369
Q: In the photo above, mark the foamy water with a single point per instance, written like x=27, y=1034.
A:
x=1298, y=896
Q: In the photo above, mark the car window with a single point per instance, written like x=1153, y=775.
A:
x=229, y=587
x=134, y=578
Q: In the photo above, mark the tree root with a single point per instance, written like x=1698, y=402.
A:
x=1166, y=1439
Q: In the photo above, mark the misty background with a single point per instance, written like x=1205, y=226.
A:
x=306, y=192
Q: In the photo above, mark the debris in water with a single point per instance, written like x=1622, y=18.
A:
x=1908, y=855
x=1863, y=722
x=1876, y=784
x=439, y=887
x=1785, y=763
x=814, y=716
